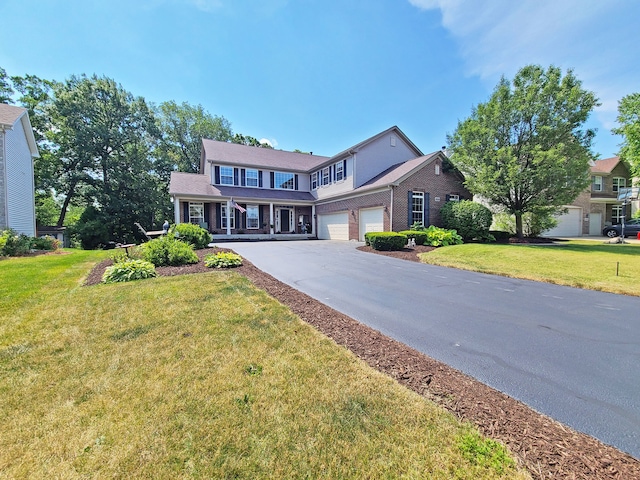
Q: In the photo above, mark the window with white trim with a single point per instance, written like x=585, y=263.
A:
x=196, y=212
x=314, y=180
x=284, y=181
x=417, y=207
x=596, y=183
x=339, y=171
x=618, y=183
x=326, y=179
x=616, y=214
x=224, y=217
x=226, y=175
x=251, y=178
x=253, y=217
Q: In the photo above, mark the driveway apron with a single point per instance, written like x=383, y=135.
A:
x=569, y=353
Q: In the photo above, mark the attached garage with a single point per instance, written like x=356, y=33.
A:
x=334, y=226
x=371, y=220
x=569, y=224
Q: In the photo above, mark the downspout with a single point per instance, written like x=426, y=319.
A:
x=391, y=210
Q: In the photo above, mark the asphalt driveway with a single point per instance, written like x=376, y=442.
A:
x=569, y=353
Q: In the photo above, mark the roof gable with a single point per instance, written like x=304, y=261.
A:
x=606, y=165
x=10, y=115
x=400, y=134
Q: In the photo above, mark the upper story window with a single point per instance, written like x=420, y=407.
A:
x=226, y=175
x=196, y=212
x=417, y=207
x=618, y=183
x=314, y=180
x=251, y=178
x=326, y=177
x=339, y=171
x=596, y=183
x=284, y=181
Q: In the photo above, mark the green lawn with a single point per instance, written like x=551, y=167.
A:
x=201, y=376
x=578, y=263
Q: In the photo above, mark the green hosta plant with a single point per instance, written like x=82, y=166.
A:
x=126, y=271
x=223, y=260
x=441, y=237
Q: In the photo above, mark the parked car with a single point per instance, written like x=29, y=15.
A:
x=631, y=228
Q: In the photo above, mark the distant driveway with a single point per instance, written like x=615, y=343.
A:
x=569, y=353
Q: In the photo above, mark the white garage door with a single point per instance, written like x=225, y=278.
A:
x=371, y=221
x=333, y=226
x=569, y=224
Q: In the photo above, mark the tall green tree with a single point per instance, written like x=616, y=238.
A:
x=105, y=138
x=183, y=127
x=249, y=141
x=5, y=87
x=526, y=149
x=629, y=120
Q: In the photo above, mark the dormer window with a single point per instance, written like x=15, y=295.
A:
x=226, y=175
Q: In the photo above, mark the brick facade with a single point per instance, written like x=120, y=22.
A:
x=431, y=179
x=353, y=205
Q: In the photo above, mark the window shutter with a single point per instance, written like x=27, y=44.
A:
x=410, y=208
x=185, y=211
x=260, y=215
x=260, y=178
x=207, y=214
x=425, y=212
x=236, y=180
x=296, y=181
x=271, y=174
x=344, y=169
x=218, y=215
x=447, y=197
x=217, y=175
x=238, y=218
x=243, y=177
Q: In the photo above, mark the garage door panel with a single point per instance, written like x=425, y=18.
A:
x=333, y=226
x=569, y=224
x=371, y=220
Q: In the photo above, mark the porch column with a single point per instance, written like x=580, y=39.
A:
x=313, y=220
x=271, y=221
x=176, y=210
x=229, y=217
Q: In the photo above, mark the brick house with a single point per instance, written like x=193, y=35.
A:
x=380, y=184
x=597, y=206
x=17, y=150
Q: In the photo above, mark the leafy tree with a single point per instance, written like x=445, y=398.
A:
x=526, y=149
x=5, y=87
x=183, y=127
x=249, y=141
x=47, y=209
x=629, y=120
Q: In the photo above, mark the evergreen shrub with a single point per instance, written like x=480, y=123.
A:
x=386, y=240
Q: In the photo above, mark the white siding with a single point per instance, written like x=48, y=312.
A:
x=334, y=226
x=20, y=188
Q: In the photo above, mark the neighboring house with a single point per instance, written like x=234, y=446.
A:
x=597, y=206
x=383, y=183
x=17, y=151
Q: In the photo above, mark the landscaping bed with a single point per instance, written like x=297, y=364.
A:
x=545, y=447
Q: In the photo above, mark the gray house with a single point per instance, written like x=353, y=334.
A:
x=380, y=184
x=17, y=150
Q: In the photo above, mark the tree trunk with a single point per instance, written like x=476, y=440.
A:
x=65, y=204
x=519, y=225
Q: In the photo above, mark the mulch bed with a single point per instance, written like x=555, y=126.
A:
x=545, y=447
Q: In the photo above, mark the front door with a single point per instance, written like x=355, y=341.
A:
x=284, y=221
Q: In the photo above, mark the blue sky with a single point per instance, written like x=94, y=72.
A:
x=321, y=76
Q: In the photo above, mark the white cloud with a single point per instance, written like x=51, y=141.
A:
x=271, y=142
x=598, y=40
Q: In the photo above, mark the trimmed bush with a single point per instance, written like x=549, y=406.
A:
x=420, y=236
x=441, y=237
x=129, y=270
x=223, y=260
x=191, y=233
x=45, y=243
x=471, y=220
x=500, y=235
x=167, y=251
x=387, y=241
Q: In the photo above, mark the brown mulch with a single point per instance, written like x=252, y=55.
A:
x=546, y=448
